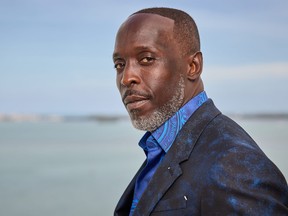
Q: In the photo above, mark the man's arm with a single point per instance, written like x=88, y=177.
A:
x=245, y=182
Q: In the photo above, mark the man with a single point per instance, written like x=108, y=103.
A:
x=199, y=162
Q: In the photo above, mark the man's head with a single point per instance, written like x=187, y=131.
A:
x=158, y=62
x=185, y=29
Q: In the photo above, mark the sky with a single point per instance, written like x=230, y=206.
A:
x=56, y=55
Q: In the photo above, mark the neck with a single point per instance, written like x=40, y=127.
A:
x=193, y=89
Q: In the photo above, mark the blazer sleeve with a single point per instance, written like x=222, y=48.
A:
x=244, y=181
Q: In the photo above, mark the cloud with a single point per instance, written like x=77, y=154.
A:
x=248, y=88
x=274, y=70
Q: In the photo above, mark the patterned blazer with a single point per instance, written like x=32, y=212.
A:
x=213, y=168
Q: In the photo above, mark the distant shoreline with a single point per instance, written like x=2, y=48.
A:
x=115, y=118
x=60, y=118
x=264, y=116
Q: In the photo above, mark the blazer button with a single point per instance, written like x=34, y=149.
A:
x=170, y=171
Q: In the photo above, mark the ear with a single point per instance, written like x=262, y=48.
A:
x=195, y=66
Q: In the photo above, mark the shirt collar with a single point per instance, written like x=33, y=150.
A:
x=166, y=133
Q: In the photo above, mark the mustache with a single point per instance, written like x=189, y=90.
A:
x=135, y=93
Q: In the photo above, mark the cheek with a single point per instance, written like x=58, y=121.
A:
x=164, y=88
x=164, y=80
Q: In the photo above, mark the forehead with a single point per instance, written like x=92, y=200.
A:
x=145, y=30
x=148, y=20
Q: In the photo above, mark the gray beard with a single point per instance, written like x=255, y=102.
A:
x=162, y=114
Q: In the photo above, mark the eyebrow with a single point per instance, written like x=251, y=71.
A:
x=117, y=55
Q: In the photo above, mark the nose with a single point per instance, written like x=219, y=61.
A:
x=130, y=75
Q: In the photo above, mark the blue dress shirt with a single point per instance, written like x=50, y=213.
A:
x=157, y=143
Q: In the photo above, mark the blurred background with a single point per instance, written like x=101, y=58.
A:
x=66, y=144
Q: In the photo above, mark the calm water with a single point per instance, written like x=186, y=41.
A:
x=72, y=169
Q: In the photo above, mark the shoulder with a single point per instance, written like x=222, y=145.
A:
x=235, y=157
x=237, y=177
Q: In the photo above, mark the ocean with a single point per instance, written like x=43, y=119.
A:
x=82, y=168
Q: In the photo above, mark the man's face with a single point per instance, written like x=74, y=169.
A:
x=149, y=70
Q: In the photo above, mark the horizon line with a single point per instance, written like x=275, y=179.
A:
x=120, y=117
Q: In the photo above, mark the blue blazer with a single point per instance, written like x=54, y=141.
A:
x=213, y=168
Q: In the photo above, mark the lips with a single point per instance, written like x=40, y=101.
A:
x=133, y=100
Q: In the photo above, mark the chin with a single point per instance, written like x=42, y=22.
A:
x=150, y=122
x=142, y=124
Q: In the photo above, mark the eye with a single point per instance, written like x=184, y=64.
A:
x=147, y=60
x=119, y=66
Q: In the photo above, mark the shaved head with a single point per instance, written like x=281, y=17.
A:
x=185, y=29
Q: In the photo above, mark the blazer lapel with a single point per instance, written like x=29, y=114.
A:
x=124, y=205
x=169, y=169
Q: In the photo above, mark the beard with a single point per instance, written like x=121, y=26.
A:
x=161, y=114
